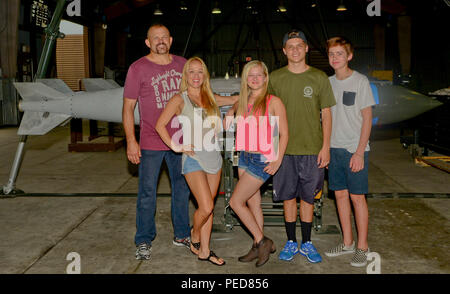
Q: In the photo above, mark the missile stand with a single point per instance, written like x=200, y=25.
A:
x=272, y=211
x=52, y=32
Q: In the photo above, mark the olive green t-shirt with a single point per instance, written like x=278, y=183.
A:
x=303, y=95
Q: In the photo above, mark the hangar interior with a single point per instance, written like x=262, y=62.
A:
x=74, y=190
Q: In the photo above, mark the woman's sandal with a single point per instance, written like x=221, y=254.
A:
x=196, y=245
x=212, y=254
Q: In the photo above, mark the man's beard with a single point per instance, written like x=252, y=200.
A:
x=162, y=49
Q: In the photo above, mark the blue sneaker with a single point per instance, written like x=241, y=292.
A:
x=289, y=250
x=307, y=249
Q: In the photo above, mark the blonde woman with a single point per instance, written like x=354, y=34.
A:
x=261, y=153
x=197, y=110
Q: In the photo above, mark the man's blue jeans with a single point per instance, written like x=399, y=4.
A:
x=149, y=170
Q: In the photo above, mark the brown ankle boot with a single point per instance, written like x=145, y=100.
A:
x=265, y=248
x=251, y=255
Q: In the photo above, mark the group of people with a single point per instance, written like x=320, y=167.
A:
x=291, y=124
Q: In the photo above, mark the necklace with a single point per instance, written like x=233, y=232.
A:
x=195, y=105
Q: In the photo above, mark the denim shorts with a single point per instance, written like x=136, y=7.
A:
x=253, y=163
x=341, y=177
x=190, y=165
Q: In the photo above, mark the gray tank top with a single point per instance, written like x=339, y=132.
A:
x=202, y=136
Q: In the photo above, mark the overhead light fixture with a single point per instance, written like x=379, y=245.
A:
x=341, y=6
x=281, y=7
x=249, y=5
x=216, y=9
x=183, y=6
x=313, y=4
x=158, y=11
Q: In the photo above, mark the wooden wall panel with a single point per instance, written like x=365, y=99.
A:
x=72, y=59
x=9, y=21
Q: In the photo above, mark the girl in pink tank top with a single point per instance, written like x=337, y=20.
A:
x=257, y=133
x=260, y=118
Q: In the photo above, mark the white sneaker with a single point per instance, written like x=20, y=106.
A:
x=340, y=249
x=143, y=251
x=359, y=259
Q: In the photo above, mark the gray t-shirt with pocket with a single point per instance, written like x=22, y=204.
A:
x=352, y=95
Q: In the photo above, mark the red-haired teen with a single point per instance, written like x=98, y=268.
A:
x=348, y=169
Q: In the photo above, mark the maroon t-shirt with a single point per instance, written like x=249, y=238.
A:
x=153, y=85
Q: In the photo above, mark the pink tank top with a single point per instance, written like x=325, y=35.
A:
x=254, y=133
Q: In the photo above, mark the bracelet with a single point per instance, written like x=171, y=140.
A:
x=359, y=155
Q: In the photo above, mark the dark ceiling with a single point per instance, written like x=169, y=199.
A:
x=215, y=36
x=131, y=11
x=132, y=16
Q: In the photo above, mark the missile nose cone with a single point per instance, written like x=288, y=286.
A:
x=421, y=102
x=435, y=103
x=397, y=103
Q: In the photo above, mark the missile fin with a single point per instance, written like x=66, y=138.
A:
x=99, y=84
x=56, y=84
x=40, y=123
x=38, y=91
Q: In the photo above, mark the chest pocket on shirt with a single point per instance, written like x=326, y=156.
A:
x=349, y=98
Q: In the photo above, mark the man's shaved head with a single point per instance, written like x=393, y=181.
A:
x=158, y=25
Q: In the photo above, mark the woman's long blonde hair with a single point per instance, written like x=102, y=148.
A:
x=260, y=103
x=206, y=94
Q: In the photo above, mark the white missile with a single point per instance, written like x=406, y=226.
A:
x=396, y=103
x=48, y=103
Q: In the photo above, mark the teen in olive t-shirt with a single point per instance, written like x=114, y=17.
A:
x=303, y=95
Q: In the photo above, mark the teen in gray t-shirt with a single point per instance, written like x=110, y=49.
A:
x=352, y=95
x=349, y=161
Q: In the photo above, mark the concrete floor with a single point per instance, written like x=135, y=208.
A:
x=37, y=233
